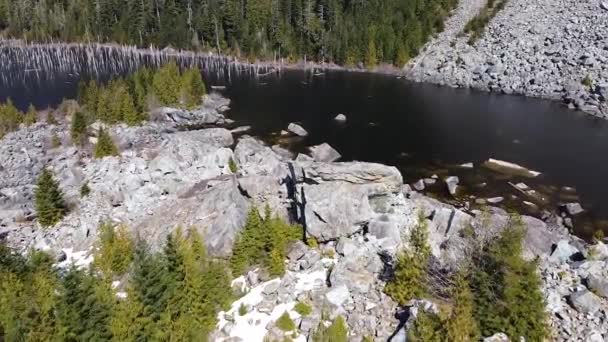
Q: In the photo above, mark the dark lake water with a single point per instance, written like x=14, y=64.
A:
x=422, y=129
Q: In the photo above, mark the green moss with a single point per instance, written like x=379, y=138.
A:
x=303, y=309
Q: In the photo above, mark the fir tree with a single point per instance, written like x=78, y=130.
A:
x=336, y=332
x=50, y=206
x=31, y=116
x=409, y=280
x=10, y=118
x=192, y=87
x=285, y=322
x=461, y=325
x=79, y=128
x=114, y=252
x=166, y=84
x=426, y=328
x=105, y=146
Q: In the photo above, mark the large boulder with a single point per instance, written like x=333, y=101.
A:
x=254, y=158
x=563, y=252
x=335, y=209
x=585, y=302
x=381, y=177
x=598, y=283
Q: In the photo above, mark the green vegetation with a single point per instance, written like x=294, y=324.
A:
x=78, y=129
x=105, y=146
x=336, y=332
x=303, y=309
x=50, y=119
x=173, y=295
x=285, y=322
x=476, y=25
x=49, y=203
x=55, y=140
x=409, y=280
x=31, y=116
x=85, y=190
x=496, y=291
x=345, y=32
x=166, y=84
x=232, y=165
x=242, y=309
x=263, y=242
x=10, y=118
x=587, y=81
x=115, y=250
x=192, y=88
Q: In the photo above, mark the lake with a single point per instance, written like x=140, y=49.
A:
x=422, y=129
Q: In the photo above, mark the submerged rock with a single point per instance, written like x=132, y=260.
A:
x=340, y=118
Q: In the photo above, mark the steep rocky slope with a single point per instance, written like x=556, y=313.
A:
x=556, y=49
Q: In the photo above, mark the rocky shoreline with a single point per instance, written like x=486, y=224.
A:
x=554, y=49
x=360, y=213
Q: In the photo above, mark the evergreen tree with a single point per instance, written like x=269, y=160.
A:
x=461, y=325
x=426, y=328
x=50, y=206
x=83, y=312
x=31, y=116
x=336, y=332
x=248, y=244
x=192, y=88
x=79, y=129
x=85, y=190
x=409, y=280
x=105, y=146
x=166, y=84
x=10, y=118
x=50, y=119
x=285, y=322
x=114, y=252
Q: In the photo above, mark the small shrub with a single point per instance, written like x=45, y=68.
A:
x=50, y=119
x=55, y=140
x=85, y=190
x=303, y=309
x=242, y=309
x=31, y=116
x=598, y=235
x=232, y=165
x=587, y=81
x=312, y=242
x=285, y=323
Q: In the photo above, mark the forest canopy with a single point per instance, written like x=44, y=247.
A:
x=340, y=31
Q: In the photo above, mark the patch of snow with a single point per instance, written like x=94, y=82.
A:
x=121, y=295
x=115, y=284
x=80, y=259
x=308, y=281
x=239, y=283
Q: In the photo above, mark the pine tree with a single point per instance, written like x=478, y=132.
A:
x=114, y=252
x=127, y=322
x=79, y=129
x=105, y=146
x=248, y=244
x=83, y=310
x=285, y=323
x=409, y=279
x=426, y=328
x=50, y=206
x=461, y=325
x=192, y=87
x=10, y=118
x=166, y=84
x=31, y=116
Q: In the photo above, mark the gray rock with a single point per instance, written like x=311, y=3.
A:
x=324, y=153
x=452, y=184
x=336, y=209
x=598, y=283
x=585, y=302
x=563, y=252
x=297, y=129
x=377, y=177
x=253, y=157
x=340, y=118
x=338, y=295
x=296, y=250
x=604, y=5
x=574, y=208
x=271, y=287
x=419, y=185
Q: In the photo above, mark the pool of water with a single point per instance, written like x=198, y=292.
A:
x=422, y=129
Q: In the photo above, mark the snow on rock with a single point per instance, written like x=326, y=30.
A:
x=252, y=326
